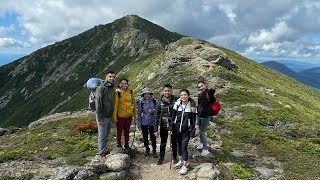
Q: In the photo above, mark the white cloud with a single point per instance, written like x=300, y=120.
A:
x=280, y=31
x=265, y=28
x=228, y=10
x=11, y=43
x=267, y=47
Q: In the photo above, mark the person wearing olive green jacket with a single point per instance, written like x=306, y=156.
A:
x=124, y=111
x=104, y=101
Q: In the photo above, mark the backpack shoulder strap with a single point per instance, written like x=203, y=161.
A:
x=154, y=102
x=207, y=95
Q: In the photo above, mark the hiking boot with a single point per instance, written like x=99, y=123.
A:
x=183, y=170
x=119, y=146
x=108, y=151
x=205, y=152
x=178, y=164
x=154, y=154
x=146, y=152
x=160, y=161
x=199, y=146
x=127, y=147
x=103, y=159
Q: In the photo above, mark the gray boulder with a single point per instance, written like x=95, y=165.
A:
x=265, y=172
x=3, y=131
x=218, y=57
x=113, y=176
x=68, y=172
x=85, y=174
x=118, y=162
x=96, y=166
x=204, y=171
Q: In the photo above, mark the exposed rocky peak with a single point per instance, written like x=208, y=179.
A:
x=133, y=42
x=203, y=55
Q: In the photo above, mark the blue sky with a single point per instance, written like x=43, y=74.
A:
x=271, y=30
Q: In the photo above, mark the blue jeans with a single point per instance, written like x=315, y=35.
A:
x=103, y=133
x=203, y=126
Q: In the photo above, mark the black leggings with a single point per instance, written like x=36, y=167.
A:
x=145, y=129
x=183, y=140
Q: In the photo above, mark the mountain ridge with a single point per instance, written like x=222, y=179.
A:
x=306, y=77
x=264, y=113
x=64, y=59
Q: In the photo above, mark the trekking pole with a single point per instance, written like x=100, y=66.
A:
x=170, y=147
x=134, y=132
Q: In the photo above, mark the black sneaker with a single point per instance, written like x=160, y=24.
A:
x=175, y=161
x=160, y=161
x=119, y=146
x=127, y=147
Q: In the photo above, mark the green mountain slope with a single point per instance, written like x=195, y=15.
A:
x=39, y=83
x=264, y=113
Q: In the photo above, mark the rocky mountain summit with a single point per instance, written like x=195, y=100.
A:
x=268, y=124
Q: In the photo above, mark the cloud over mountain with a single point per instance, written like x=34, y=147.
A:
x=274, y=29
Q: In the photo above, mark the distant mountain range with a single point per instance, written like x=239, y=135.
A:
x=310, y=77
x=294, y=65
x=268, y=118
x=298, y=66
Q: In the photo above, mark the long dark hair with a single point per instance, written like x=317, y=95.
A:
x=185, y=90
x=123, y=79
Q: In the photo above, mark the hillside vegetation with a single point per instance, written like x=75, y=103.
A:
x=265, y=114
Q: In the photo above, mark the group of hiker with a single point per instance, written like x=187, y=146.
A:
x=169, y=117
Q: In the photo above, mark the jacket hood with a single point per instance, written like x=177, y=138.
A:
x=107, y=84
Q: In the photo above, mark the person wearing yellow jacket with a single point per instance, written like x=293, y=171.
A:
x=124, y=111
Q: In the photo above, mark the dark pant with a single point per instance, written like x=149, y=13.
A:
x=145, y=129
x=183, y=140
x=164, y=138
x=123, y=124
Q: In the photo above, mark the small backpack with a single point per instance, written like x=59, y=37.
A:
x=214, y=105
x=92, y=85
x=92, y=103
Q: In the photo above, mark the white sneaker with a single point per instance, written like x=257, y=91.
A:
x=183, y=170
x=204, y=152
x=199, y=146
x=177, y=165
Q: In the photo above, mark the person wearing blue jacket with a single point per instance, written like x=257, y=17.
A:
x=146, y=109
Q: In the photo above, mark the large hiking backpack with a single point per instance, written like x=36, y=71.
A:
x=92, y=85
x=214, y=104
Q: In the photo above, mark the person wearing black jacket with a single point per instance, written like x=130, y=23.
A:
x=163, y=114
x=183, y=122
x=205, y=115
